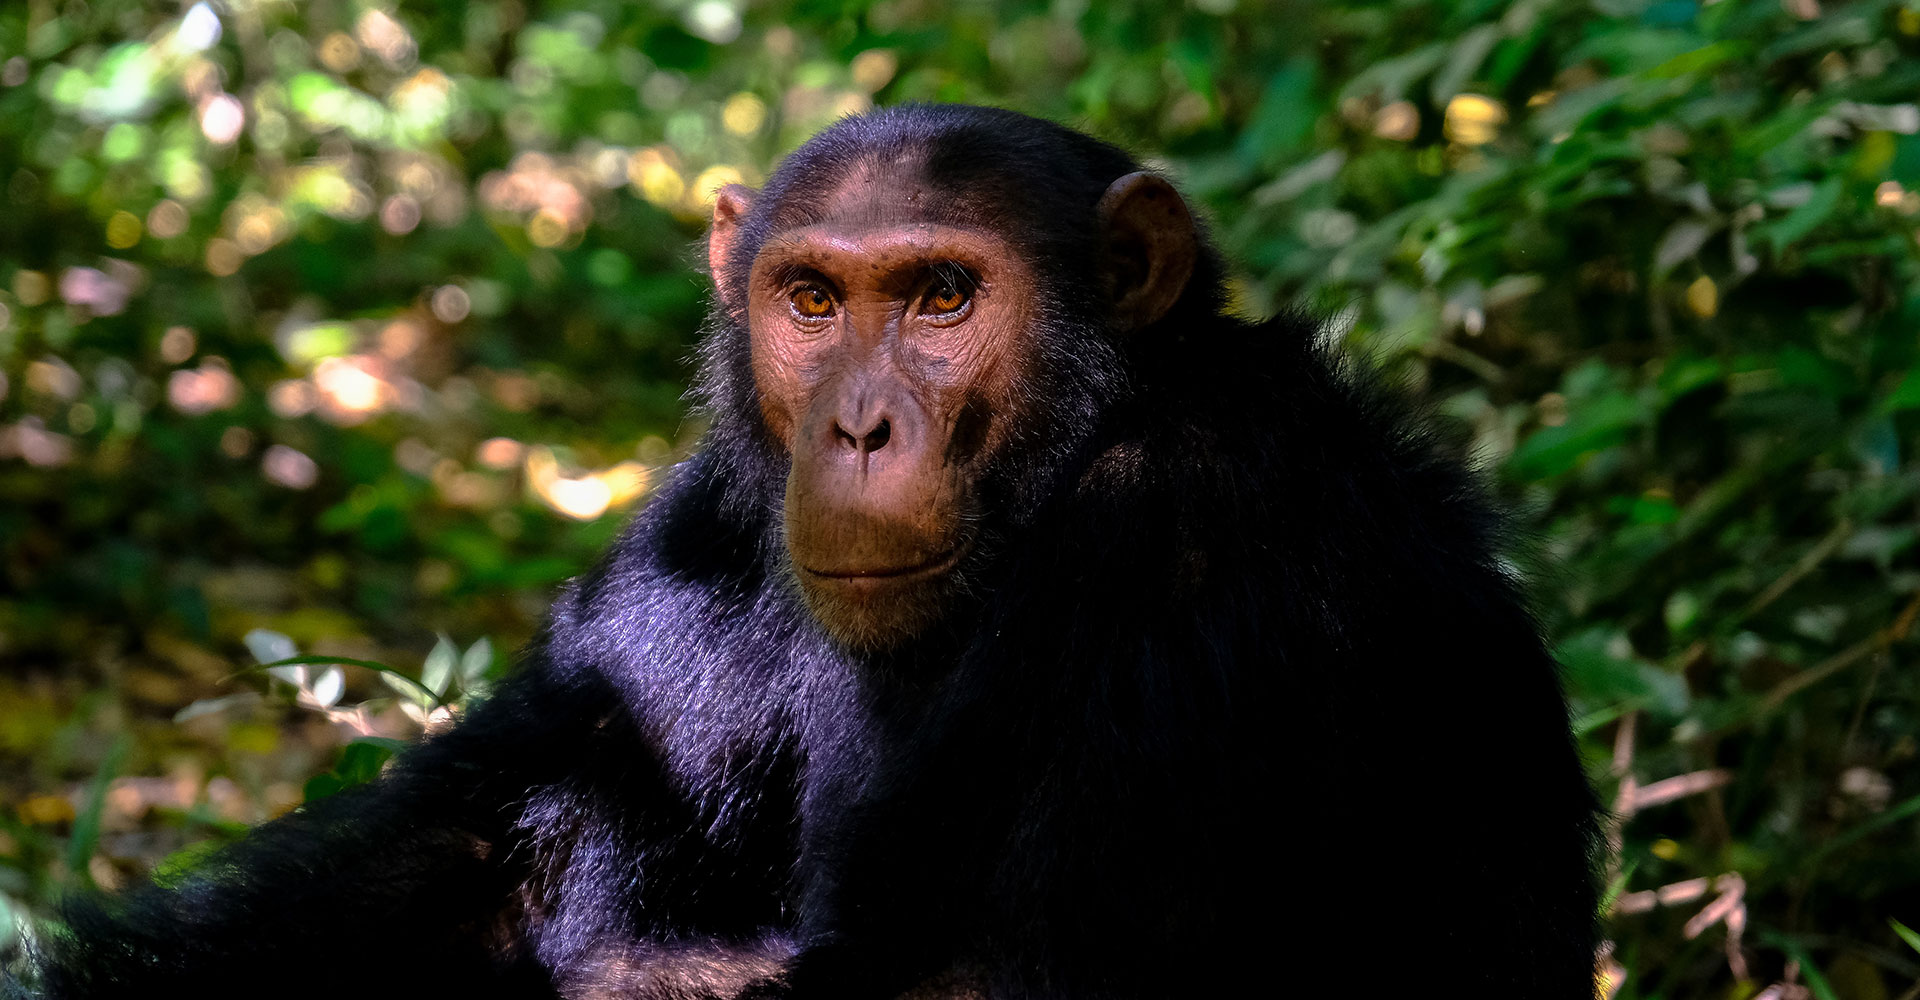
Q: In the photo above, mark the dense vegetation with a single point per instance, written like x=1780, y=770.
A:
x=328, y=327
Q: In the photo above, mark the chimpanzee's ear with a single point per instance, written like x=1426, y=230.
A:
x=730, y=206
x=1151, y=247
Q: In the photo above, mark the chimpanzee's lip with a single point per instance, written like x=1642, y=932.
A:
x=939, y=565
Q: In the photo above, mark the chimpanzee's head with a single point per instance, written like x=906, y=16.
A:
x=921, y=302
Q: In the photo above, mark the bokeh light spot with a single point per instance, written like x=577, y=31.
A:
x=30, y=440
x=291, y=398
x=177, y=344
x=874, y=68
x=340, y=53
x=385, y=37
x=286, y=467
x=547, y=229
x=657, y=179
x=53, y=377
x=349, y=391
x=258, y=232
x=743, y=114
x=123, y=142
x=500, y=453
x=200, y=29
x=203, y=390
x=1703, y=297
x=31, y=287
x=167, y=219
x=101, y=293
x=714, y=20
x=223, y=257
x=707, y=186
x=450, y=303
x=400, y=214
x=236, y=442
x=1399, y=121
x=221, y=119
x=400, y=338
x=1473, y=120
x=123, y=230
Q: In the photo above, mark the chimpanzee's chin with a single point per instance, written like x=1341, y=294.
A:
x=877, y=613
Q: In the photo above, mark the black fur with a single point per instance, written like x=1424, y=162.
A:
x=1241, y=703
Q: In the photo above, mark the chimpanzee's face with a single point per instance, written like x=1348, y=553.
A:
x=893, y=332
x=887, y=353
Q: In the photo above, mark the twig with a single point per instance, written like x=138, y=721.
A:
x=1732, y=888
x=1807, y=563
x=1622, y=810
x=1899, y=630
x=1679, y=787
x=1623, y=743
x=1672, y=894
x=1446, y=350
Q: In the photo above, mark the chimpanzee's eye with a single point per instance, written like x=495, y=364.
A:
x=812, y=302
x=945, y=299
x=951, y=291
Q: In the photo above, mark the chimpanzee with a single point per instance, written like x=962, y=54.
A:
x=1026, y=626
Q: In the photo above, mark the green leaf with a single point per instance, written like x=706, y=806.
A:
x=320, y=786
x=437, y=673
x=1394, y=77
x=1701, y=59
x=1906, y=933
x=175, y=868
x=475, y=663
x=1282, y=121
x=1816, y=981
x=1898, y=813
x=382, y=669
x=86, y=822
x=1603, y=423
x=1683, y=375
x=360, y=762
x=1469, y=52
x=1600, y=665
x=1905, y=395
x=1802, y=220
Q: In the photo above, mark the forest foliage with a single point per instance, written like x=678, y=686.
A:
x=346, y=331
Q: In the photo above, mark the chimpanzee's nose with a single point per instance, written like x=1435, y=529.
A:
x=862, y=425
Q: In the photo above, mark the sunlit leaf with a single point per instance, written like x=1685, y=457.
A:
x=438, y=670
x=475, y=662
x=270, y=647
x=1795, y=226
x=328, y=685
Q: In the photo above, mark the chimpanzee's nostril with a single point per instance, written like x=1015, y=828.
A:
x=865, y=444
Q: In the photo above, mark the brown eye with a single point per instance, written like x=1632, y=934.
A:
x=946, y=299
x=813, y=303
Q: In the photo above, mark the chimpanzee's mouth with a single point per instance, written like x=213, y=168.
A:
x=939, y=565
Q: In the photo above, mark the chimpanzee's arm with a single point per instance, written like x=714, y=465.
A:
x=410, y=882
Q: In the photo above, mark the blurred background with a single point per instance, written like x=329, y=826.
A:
x=348, y=330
